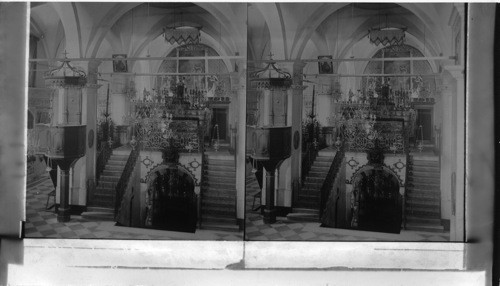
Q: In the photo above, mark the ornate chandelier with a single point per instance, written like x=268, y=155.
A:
x=277, y=78
x=387, y=36
x=182, y=35
x=152, y=118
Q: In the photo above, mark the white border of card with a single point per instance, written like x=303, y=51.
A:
x=61, y=262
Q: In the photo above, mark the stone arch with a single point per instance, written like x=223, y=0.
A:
x=171, y=208
x=326, y=10
x=376, y=200
x=151, y=175
x=370, y=167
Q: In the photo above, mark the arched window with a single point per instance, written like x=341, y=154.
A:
x=420, y=70
x=201, y=63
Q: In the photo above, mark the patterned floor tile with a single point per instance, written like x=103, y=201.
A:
x=43, y=223
x=257, y=230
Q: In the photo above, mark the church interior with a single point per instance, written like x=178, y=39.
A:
x=355, y=122
x=256, y=121
x=133, y=118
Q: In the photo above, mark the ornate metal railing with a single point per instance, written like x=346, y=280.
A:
x=308, y=157
x=409, y=168
x=121, y=186
x=330, y=179
x=103, y=156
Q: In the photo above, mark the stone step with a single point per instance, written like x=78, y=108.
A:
x=220, y=179
x=103, y=190
x=106, y=185
x=425, y=227
x=307, y=204
x=423, y=185
x=317, y=173
x=305, y=211
x=416, y=201
x=220, y=168
x=302, y=217
x=220, y=174
x=423, y=207
x=312, y=186
x=110, y=179
x=112, y=173
x=115, y=167
x=102, y=203
x=116, y=162
x=98, y=216
x=320, y=169
x=425, y=176
x=218, y=162
x=324, y=159
x=218, y=219
x=220, y=227
x=426, y=221
x=115, y=157
x=104, y=197
x=424, y=163
x=322, y=164
x=423, y=213
x=219, y=185
x=218, y=192
x=315, y=180
x=215, y=211
x=424, y=168
x=218, y=200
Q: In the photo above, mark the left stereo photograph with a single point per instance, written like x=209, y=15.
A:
x=136, y=120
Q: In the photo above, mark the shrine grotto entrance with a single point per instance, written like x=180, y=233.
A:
x=172, y=203
x=376, y=201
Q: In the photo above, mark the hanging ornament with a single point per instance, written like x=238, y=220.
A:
x=182, y=35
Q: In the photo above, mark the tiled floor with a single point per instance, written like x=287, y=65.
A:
x=255, y=229
x=41, y=223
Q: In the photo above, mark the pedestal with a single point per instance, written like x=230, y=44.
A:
x=270, y=210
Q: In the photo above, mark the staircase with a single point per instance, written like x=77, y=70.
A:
x=102, y=204
x=218, y=194
x=423, y=199
x=307, y=207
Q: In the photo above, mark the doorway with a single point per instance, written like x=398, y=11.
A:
x=219, y=119
x=173, y=201
x=424, y=119
x=379, y=201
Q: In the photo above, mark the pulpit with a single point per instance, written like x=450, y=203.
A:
x=270, y=146
x=65, y=140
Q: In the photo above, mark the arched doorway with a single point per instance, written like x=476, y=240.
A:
x=172, y=200
x=376, y=193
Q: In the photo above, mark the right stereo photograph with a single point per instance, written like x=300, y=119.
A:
x=355, y=122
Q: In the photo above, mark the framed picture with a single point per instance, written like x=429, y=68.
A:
x=325, y=67
x=120, y=63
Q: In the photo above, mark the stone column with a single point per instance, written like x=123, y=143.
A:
x=296, y=122
x=90, y=119
x=290, y=170
x=458, y=216
x=240, y=143
x=447, y=154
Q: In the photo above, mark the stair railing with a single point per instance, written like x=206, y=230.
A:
x=103, y=156
x=121, y=186
x=330, y=179
x=409, y=169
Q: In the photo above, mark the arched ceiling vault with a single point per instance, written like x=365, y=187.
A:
x=424, y=12
x=87, y=24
